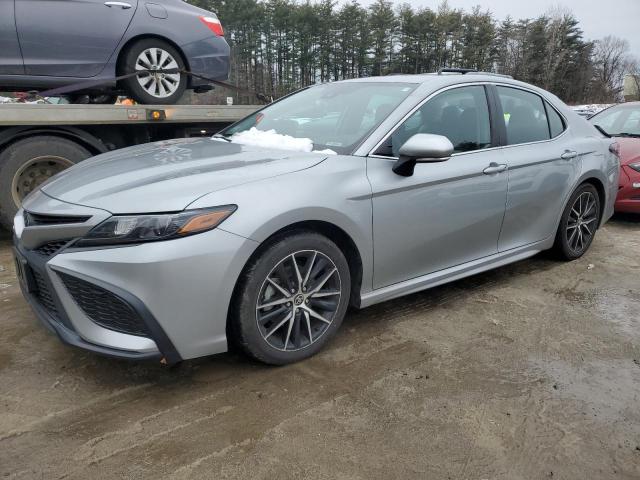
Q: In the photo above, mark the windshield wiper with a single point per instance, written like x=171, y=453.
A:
x=602, y=130
x=626, y=134
x=219, y=135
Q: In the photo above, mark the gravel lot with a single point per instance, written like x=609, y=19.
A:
x=531, y=371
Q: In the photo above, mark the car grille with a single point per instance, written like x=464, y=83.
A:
x=35, y=219
x=104, y=308
x=43, y=294
x=50, y=248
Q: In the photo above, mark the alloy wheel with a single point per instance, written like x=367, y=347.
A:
x=157, y=84
x=582, y=222
x=298, y=300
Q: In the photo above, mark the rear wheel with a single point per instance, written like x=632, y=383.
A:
x=291, y=299
x=25, y=164
x=579, y=223
x=153, y=88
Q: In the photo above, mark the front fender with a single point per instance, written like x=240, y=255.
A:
x=334, y=191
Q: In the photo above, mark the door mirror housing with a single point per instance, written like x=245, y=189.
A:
x=422, y=148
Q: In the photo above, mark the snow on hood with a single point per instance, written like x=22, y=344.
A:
x=271, y=139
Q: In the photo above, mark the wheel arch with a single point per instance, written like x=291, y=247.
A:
x=336, y=234
x=594, y=178
x=602, y=195
x=85, y=139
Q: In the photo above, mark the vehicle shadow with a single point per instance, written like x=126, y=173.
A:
x=626, y=219
x=376, y=320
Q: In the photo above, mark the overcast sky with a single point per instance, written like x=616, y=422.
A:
x=598, y=18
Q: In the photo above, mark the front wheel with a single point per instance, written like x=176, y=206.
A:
x=291, y=299
x=579, y=223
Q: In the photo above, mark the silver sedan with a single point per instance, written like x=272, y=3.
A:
x=342, y=194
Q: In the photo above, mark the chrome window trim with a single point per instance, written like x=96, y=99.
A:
x=544, y=99
x=418, y=106
x=544, y=102
x=470, y=84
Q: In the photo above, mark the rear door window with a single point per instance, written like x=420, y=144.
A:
x=525, y=117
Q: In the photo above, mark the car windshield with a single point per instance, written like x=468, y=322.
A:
x=621, y=120
x=333, y=116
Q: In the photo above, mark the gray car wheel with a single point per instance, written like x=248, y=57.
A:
x=579, y=222
x=291, y=299
x=153, y=88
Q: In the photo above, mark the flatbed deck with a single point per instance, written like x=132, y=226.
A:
x=18, y=114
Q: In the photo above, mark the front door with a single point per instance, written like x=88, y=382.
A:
x=70, y=38
x=447, y=213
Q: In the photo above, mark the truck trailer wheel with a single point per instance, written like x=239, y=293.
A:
x=25, y=164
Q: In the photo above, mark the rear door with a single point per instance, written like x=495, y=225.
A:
x=70, y=38
x=10, y=57
x=543, y=165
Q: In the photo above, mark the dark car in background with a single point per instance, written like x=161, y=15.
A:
x=53, y=43
x=623, y=122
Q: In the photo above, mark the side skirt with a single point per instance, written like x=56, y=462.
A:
x=454, y=273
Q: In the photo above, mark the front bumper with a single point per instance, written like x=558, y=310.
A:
x=41, y=288
x=179, y=292
x=628, y=199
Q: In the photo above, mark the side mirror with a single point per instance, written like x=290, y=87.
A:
x=423, y=148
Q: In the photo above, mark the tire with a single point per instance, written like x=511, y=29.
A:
x=578, y=224
x=255, y=330
x=130, y=58
x=25, y=164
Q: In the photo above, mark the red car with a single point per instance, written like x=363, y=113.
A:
x=623, y=122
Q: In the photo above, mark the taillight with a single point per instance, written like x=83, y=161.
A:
x=615, y=149
x=214, y=25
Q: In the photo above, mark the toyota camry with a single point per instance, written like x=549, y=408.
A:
x=342, y=194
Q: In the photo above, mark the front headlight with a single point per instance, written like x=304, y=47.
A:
x=635, y=166
x=124, y=229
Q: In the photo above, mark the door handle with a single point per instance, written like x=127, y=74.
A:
x=494, y=168
x=568, y=155
x=122, y=5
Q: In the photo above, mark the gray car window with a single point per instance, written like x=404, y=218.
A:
x=556, y=124
x=524, y=116
x=460, y=114
x=336, y=116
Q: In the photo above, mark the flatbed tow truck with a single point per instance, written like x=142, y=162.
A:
x=39, y=140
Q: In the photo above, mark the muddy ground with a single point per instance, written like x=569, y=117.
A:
x=531, y=371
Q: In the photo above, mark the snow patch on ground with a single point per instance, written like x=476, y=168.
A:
x=271, y=139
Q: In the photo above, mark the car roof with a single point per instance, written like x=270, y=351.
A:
x=430, y=77
x=440, y=80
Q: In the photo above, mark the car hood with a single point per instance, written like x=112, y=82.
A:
x=169, y=175
x=629, y=150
